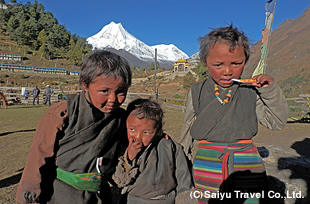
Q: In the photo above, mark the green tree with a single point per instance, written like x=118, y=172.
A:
x=43, y=51
x=78, y=48
x=5, y=15
x=202, y=71
x=37, y=30
x=19, y=35
x=25, y=49
x=71, y=48
x=33, y=32
x=12, y=26
x=42, y=43
x=47, y=21
x=42, y=37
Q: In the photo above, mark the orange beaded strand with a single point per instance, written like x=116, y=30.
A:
x=217, y=95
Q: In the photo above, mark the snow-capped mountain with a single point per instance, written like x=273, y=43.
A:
x=115, y=36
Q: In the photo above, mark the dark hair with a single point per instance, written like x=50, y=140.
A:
x=148, y=109
x=104, y=63
x=230, y=35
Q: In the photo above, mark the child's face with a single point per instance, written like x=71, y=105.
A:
x=142, y=130
x=224, y=65
x=106, y=93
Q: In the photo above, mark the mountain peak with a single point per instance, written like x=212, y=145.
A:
x=115, y=36
x=114, y=26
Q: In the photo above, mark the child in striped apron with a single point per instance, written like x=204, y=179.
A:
x=223, y=115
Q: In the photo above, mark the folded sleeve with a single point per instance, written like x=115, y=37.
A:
x=271, y=107
x=186, y=139
x=42, y=148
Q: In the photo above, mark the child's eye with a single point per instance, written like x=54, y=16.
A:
x=148, y=133
x=121, y=94
x=217, y=65
x=237, y=63
x=105, y=91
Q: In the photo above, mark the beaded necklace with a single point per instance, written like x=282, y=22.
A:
x=217, y=95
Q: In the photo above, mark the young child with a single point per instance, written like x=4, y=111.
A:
x=154, y=168
x=78, y=141
x=223, y=116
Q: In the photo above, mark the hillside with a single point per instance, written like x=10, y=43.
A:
x=288, y=61
x=288, y=58
x=8, y=46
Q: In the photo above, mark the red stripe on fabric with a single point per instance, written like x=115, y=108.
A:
x=207, y=179
x=218, y=148
x=225, y=166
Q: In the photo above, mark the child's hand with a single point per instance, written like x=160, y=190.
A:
x=263, y=80
x=134, y=148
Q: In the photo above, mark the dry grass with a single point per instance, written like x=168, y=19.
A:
x=173, y=122
x=17, y=124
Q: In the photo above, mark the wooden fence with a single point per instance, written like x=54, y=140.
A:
x=298, y=106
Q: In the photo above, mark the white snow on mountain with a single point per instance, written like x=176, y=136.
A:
x=115, y=36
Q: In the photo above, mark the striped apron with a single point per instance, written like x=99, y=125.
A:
x=215, y=162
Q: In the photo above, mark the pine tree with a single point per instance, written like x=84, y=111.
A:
x=34, y=29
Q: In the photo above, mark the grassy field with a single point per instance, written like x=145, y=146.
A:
x=18, y=124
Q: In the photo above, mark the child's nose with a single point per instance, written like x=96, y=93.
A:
x=227, y=70
x=138, y=136
x=112, y=97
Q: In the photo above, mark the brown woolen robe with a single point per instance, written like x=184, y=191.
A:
x=72, y=135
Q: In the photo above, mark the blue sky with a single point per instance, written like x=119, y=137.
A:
x=177, y=22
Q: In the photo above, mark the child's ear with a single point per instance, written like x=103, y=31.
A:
x=84, y=87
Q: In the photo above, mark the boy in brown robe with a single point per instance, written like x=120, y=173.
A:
x=78, y=141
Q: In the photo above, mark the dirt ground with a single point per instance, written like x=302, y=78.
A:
x=293, y=132
x=286, y=157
